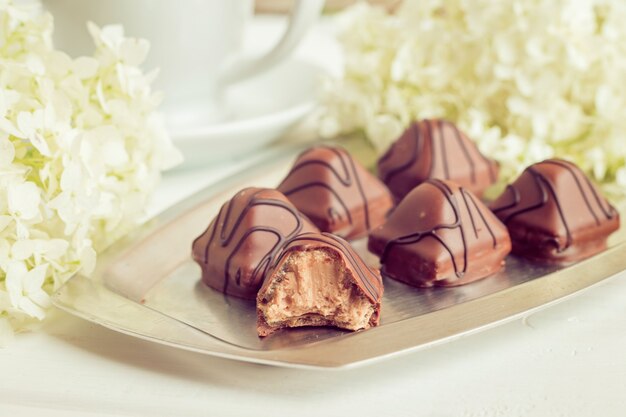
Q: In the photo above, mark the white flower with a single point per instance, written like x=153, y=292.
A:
x=40, y=249
x=8, y=98
x=33, y=126
x=526, y=79
x=385, y=127
x=7, y=151
x=4, y=222
x=23, y=200
x=85, y=67
x=81, y=149
x=620, y=177
x=25, y=289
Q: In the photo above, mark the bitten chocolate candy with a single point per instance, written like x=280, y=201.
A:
x=554, y=213
x=435, y=149
x=319, y=280
x=440, y=234
x=336, y=192
x=237, y=248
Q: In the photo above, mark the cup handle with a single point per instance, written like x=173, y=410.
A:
x=302, y=15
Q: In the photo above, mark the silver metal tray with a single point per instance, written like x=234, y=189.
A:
x=148, y=286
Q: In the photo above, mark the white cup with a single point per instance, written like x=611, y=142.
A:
x=196, y=44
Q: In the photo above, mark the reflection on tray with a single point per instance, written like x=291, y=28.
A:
x=232, y=320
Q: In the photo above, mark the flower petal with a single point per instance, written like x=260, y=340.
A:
x=15, y=275
x=30, y=308
x=24, y=200
x=34, y=279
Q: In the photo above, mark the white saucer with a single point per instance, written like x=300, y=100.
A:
x=260, y=110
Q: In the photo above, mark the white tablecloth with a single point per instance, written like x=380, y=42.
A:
x=568, y=360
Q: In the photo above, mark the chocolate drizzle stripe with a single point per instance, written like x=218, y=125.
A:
x=547, y=191
x=417, y=142
x=457, y=212
x=452, y=257
x=225, y=238
x=210, y=227
x=347, y=250
x=348, y=168
x=361, y=191
x=333, y=214
x=374, y=292
x=415, y=238
x=573, y=171
x=263, y=260
x=541, y=203
x=196, y=241
x=323, y=185
x=579, y=185
x=273, y=230
x=470, y=161
x=418, y=236
x=444, y=152
x=469, y=211
x=347, y=181
x=226, y=234
x=464, y=147
x=488, y=162
x=217, y=220
x=611, y=212
x=482, y=216
x=435, y=148
x=568, y=241
x=429, y=131
x=541, y=184
x=515, y=202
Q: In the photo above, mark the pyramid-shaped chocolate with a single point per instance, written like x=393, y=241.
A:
x=319, y=280
x=435, y=149
x=554, y=213
x=440, y=235
x=239, y=244
x=336, y=192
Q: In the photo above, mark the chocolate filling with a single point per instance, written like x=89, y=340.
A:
x=313, y=287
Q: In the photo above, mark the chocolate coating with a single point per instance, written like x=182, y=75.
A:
x=336, y=192
x=435, y=149
x=363, y=282
x=555, y=214
x=440, y=235
x=238, y=246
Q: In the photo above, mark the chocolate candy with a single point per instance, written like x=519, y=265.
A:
x=239, y=244
x=435, y=149
x=440, y=235
x=555, y=214
x=319, y=280
x=336, y=192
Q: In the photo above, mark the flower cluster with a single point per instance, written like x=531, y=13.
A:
x=81, y=149
x=526, y=79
